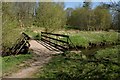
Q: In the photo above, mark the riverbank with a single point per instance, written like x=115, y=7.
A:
x=89, y=39
x=103, y=65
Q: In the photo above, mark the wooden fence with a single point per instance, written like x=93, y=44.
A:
x=58, y=41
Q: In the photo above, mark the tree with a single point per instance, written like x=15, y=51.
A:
x=69, y=11
x=87, y=4
x=50, y=16
x=68, y=14
x=78, y=18
x=24, y=13
x=84, y=18
x=9, y=26
x=115, y=7
x=103, y=18
x=81, y=18
x=12, y=13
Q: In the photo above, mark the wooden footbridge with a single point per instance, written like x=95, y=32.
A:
x=58, y=41
x=53, y=42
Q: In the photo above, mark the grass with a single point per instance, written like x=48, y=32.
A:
x=10, y=63
x=32, y=34
x=71, y=66
x=0, y=66
x=84, y=38
x=112, y=54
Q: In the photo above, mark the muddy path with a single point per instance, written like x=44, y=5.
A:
x=41, y=57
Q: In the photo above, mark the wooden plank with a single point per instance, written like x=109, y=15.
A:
x=53, y=44
x=21, y=46
x=61, y=49
x=55, y=34
x=17, y=46
x=55, y=39
x=26, y=36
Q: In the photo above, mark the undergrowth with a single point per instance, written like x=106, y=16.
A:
x=104, y=65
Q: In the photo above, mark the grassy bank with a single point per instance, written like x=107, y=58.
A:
x=11, y=63
x=90, y=39
x=103, y=65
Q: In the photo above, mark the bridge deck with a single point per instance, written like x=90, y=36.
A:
x=40, y=47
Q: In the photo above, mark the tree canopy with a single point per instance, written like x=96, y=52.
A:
x=98, y=18
x=51, y=16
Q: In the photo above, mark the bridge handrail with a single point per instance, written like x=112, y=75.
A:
x=45, y=36
x=25, y=36
x=55, y=39
x=55, y=34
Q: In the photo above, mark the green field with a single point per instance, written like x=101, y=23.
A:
x=84, y=38
x=102, y=65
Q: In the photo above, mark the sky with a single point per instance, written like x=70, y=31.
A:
x=84, y=0
x=77, y=4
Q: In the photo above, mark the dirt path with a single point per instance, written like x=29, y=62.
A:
x=43, y=56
